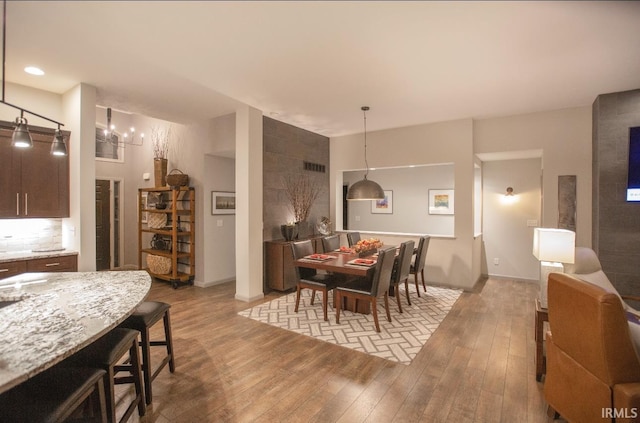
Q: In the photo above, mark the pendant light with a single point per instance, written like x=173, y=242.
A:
x=58, y=147
x=365, y=189
x=21, y=137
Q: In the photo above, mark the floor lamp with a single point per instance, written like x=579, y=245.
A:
x=552, y=247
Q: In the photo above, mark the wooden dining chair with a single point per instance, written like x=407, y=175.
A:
x=418, y=266
x=309, y=278
x=353, y=238
x=401, y=271
x=370, y=289
x=331, y=243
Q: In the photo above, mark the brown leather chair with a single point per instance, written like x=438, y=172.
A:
x=593, y=370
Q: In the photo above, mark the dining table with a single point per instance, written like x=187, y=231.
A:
x=47, y=317
x=343, y=262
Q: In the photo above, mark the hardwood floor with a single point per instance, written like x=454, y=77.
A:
x=477, y=367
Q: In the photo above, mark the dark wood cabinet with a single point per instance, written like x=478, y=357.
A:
x=278, y=262
x=67, y=263
x=33, y=182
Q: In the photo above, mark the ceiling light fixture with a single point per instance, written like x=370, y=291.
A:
x=110, y=135
x=365, y=189
x=21, y=137
x=32, y=70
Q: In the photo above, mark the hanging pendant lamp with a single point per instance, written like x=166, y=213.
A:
x=58, y=147
x=365, y=189
x=21, y=137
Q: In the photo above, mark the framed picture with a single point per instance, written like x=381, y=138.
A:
x=223, y=202
x=384, y=206
x=144, y=202
x=441, y=201
x=109, y=150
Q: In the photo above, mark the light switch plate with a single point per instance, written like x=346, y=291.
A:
x=532, y=223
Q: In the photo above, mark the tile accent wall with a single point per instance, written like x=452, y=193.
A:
x=30, y=234
x=616, y=223
x=286, y=149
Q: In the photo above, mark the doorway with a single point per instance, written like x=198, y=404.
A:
x=109, y=226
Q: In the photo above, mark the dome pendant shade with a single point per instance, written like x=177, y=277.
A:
x=21, y=136
x=59, y=147
x=365, y=190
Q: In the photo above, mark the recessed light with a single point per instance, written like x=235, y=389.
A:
x=34, y=70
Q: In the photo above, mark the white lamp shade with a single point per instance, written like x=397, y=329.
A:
x=555, y=245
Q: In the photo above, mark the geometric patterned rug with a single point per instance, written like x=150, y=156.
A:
x=398, y=341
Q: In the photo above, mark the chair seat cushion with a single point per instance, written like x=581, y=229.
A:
x=322, y=280
x=359, y=286
x=49, y=395
x=145, y=315
x=107, y=350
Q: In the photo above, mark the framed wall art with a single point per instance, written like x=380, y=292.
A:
x=441, y=201
x=384, y=206
x=223, y=202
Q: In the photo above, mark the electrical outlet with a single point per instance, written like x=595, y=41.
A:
x=496, y=261
x=219, y=222
x=357, y=218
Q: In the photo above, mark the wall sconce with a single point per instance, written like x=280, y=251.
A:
x=509, y=197
x=509, y=192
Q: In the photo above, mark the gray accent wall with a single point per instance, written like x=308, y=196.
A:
x=286, y=148
x=616, y=223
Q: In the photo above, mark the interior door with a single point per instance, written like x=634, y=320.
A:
x=103, y=229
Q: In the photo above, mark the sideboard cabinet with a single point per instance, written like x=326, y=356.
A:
x=279, y=270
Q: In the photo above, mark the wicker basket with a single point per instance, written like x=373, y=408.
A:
x=157, y=220
x=177, y=179
x=159, y=265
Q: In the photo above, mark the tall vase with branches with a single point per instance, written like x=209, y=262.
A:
x=160, y=138
x=302, y=191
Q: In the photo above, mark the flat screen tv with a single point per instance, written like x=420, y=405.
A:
x=633, y=181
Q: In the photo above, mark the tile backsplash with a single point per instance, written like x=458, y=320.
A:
x=30, y=234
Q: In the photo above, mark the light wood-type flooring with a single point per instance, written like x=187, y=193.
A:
x=477, y=367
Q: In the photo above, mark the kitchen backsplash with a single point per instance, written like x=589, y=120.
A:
x=30, y=234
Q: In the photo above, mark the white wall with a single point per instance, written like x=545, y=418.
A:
x=507, y=237
x=410, y=188
x=449, y=261
x=565, y=139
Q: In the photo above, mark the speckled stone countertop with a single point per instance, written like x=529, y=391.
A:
x=6, y=257
x=57, y=314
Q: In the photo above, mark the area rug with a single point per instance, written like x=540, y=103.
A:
x=398, y=341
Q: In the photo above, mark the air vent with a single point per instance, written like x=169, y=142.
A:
x=315, y=167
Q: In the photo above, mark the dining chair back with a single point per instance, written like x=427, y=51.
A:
x=370, y=289
x=402, y=271
x=331, y=243
x=353, y=238
x=418, y=265
x=309, y=278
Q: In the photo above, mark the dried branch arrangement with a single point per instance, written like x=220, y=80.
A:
x=160, y=138
x=301, y=191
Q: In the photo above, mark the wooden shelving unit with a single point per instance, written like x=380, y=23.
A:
x=178, y=233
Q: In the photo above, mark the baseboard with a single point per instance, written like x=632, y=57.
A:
x=202, y=284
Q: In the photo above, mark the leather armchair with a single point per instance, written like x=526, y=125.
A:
x=593, y=370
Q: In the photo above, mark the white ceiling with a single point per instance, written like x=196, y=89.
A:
x=313, y=64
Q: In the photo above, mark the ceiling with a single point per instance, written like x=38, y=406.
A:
x=313, y=64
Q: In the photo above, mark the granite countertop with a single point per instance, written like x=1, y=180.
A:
x=46, y=317
x=6, y=257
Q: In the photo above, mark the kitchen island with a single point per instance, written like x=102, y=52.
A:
x=46, y=317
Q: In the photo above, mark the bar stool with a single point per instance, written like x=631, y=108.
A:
x=146, y=315
x=54, y=395
x=106, y=353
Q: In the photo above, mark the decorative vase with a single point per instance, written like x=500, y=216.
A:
x=160, y=172
x=289, y=232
